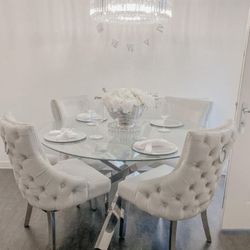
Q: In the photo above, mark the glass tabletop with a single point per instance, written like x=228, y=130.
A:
x=116, y=144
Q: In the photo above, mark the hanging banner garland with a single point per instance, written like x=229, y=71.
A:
x=130, y=46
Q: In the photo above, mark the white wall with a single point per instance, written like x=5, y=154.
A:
x=51, y=48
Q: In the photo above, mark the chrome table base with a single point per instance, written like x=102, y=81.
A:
x=117, y=213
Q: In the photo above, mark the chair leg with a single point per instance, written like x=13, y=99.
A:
x=28, y=215
x=172, y=235
x=206, y=226
x=92, y=204
x=52, y=229
x=123, y=219
x=106, y=200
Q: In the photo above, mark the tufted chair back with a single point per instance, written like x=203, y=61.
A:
x=39, y=183
x=188, y=190
x=193, y=112
x=65, y=108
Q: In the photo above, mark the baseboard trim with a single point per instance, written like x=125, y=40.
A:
x=232, y=231
x=5, y=165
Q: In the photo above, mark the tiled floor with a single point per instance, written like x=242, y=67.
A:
x=78, y=229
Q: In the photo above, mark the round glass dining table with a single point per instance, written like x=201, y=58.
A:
x=115, y=147
x=115, y=144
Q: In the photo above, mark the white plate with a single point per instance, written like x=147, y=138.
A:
x=158, y=151
x=164, y=130
x=169, y=123
x=52, y=138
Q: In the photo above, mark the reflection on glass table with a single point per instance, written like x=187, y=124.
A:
x=115, y=148
x=116, y=145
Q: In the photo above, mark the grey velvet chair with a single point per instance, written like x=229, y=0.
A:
x=194, y=113
x=67, y=108
x=191, y=111
x=178, y=193
x=50, y=188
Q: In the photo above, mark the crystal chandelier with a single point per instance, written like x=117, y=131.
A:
x=114, y=11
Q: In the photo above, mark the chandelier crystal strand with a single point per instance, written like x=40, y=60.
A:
x=130, y=10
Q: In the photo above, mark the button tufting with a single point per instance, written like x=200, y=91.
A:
x=31, y=178
x=191, y=187
x=197, y=196
x=212, y=152
x=185, y=207
x=178, y=197
x=203, y=175
x=42, y=189
x=55, y=198
x=214, y=162
x=164, y=204
x=62, y=185
x=208, y=184
x=158, y=189
x=198, y=164
x=147, y=195
x=36, y=198
x=24, y=157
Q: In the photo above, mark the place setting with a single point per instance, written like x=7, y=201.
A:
x=167, y=122
x=95, y=113
x=154, y=147
x=64, y=135
x=90, y=117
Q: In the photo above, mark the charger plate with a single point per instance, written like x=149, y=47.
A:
x=169, y=123
x=52, y=138
x=172, y=148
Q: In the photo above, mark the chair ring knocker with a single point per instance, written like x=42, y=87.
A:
x=6, y=148
x=223, y=155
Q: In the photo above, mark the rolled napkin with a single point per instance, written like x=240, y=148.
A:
x=150, y=144
x=90, y=115
x=55, y=132
x=64, y=133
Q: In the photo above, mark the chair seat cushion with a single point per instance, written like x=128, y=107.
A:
x=140, y=166
x=127, y=189
x=98, y=184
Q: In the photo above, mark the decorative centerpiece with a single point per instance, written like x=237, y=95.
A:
x=126, y=105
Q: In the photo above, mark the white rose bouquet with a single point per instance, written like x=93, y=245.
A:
x=125, y=99
x=126, y=105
